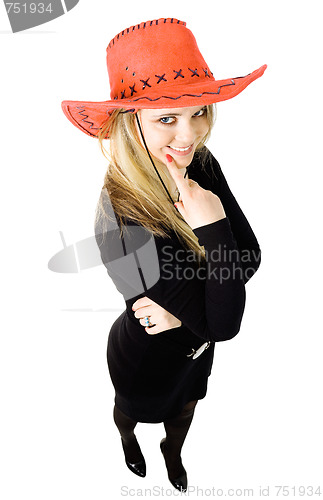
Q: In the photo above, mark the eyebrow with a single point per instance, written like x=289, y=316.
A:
x=175, y=114
x=167, y=114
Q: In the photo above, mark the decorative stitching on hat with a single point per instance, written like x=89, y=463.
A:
x=190, y=95
x=206, y=72
x=178, y=73
x=239, y=77
x=161, y=78
x=86, y=116
x=142, y=26
x=146, y=84
x=132, y=89
x=194, y=72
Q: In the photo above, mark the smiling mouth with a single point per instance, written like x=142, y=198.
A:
x=181, y=149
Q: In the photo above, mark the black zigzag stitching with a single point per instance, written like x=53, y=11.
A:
x=193, y=95
x=86, y=116
x=188, y=95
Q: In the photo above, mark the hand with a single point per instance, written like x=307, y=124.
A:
x=196, y=205
x=158, y=316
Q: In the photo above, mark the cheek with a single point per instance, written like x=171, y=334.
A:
x=204, y=128
x=159, y=138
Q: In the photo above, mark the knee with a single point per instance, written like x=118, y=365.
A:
x=189, y=408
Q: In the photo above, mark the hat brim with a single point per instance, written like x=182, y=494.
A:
x=89, y=116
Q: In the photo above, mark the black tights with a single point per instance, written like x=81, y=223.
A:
x=176, y=430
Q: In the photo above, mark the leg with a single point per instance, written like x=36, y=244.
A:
x=130, y=444
x=176, y=430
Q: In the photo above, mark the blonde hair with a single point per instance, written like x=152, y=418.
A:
x=133, y=187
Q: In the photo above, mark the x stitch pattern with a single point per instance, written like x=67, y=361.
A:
x=132, y=88
x=178, y=73
x=190, y=95
x=161, y=78
x=146, y=84
x=194, y=72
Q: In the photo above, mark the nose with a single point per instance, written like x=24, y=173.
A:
x=185, y=133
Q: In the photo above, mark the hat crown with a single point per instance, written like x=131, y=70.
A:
x=150, y=58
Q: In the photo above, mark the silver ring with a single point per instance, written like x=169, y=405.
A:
x=146, y=318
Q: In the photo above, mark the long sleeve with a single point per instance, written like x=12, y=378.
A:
x=208, y=299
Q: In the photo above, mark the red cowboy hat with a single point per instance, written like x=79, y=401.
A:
x=155, y=64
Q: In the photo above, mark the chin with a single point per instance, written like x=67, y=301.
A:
x=184, y=161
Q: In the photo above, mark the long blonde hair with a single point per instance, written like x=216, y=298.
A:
x=133, y=187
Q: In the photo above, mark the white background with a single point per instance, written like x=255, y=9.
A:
x=260, y=424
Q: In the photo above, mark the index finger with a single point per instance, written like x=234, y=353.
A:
x=180, y=182
x=142, y=302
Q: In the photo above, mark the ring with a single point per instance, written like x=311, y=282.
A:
x=146, y=318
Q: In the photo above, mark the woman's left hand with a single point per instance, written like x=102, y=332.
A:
x=158, y=316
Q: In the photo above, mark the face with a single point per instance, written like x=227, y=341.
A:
x=175, y=131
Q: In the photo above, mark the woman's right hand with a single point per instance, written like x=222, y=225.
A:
x=196, y=205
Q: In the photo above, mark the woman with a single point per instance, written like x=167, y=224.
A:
x=170, y=232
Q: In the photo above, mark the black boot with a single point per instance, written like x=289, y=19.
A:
x=134, y=458
x=171, y=446
x=138, y=468
x=180, y=482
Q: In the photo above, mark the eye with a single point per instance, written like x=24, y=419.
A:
x=167, y=120
x=201, y=112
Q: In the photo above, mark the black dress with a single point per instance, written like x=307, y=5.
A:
x=154, y=376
